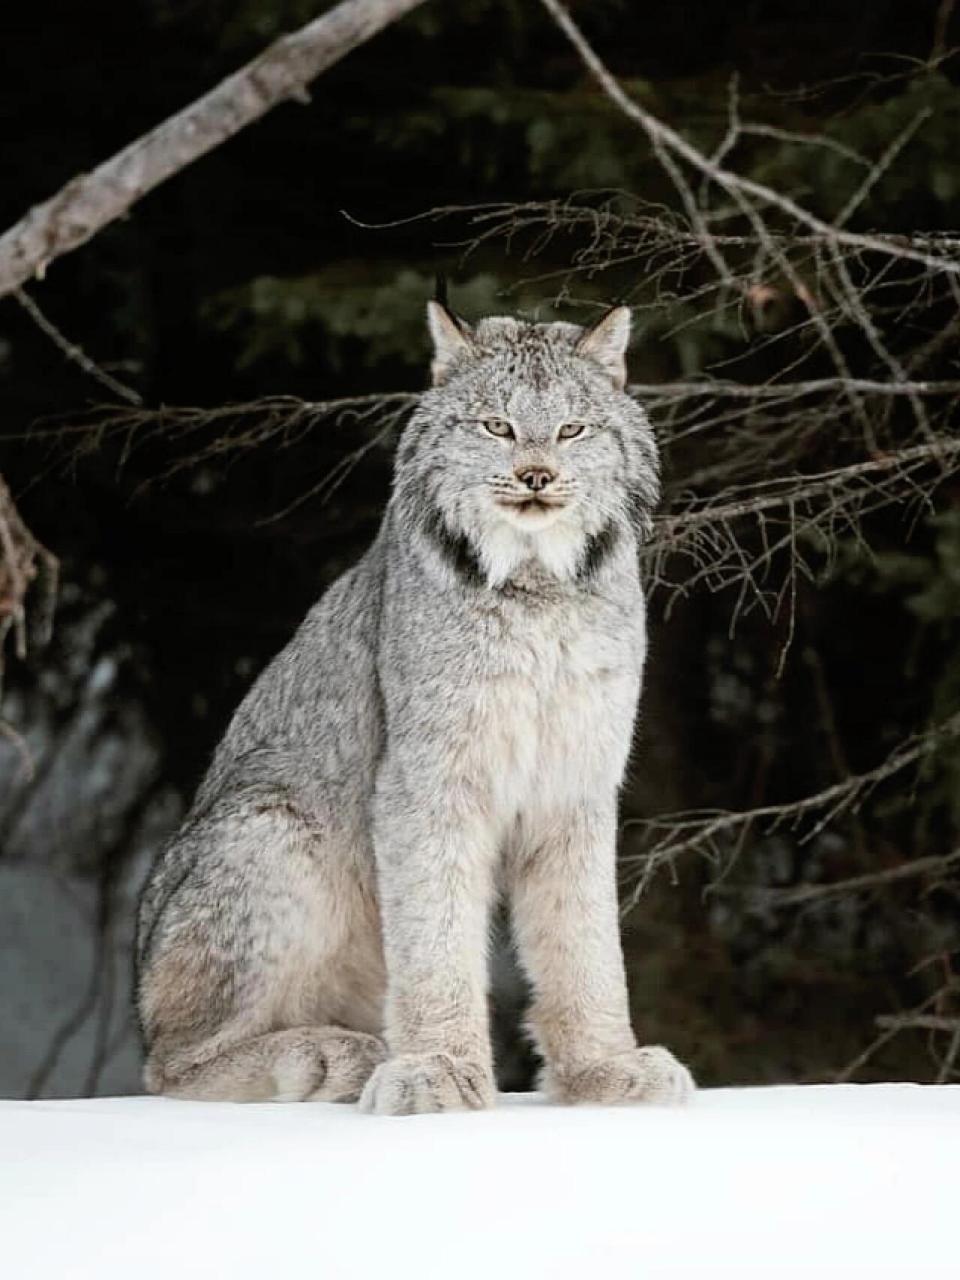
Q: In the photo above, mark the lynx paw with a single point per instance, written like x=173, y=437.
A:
x=648, y=1074
x=416, y=1084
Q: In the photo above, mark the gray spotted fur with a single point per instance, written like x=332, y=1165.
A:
x=450, y=723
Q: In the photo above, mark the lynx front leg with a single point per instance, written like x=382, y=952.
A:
x=567, y=929
x=435, y=877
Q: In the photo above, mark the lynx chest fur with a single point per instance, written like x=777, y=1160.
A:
x=529, y=696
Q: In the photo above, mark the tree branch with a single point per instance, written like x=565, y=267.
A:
x=92, y=200
x=917, y=1021
x=705, y=831
x=693, y=388
x=743, y=191
x=784, y=490
x=802, y=894
x=74, y=352
x=22, y=561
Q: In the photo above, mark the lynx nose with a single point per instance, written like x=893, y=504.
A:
x=536, y=478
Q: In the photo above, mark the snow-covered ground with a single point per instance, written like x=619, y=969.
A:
x=838, y=1180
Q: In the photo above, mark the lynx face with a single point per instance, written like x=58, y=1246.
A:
x=526, y=448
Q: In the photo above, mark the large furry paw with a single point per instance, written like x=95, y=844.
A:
x=648, y=1074
x=416, y=1084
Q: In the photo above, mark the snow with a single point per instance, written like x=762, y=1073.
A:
x=811, y=1181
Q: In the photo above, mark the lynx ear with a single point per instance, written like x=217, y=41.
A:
x=606, y=344
x=451, y=341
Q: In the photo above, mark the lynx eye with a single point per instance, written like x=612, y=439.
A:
x=570, y=430
x=497, y=427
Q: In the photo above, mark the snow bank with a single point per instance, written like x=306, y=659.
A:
x=840, y=1180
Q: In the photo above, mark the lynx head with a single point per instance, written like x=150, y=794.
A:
x=526, y=448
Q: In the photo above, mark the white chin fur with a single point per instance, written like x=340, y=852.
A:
x=509, y=542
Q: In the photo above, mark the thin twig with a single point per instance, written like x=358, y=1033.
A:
x=706, y=831
x=73, y=352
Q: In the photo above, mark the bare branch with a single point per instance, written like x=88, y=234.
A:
x=892, y=1025
x=22, y=562
x=282, y=72
x=796, y=489
x=610, y=222
x=951, y=1056
x=208, y=435
x=939, y=48
x=795, y=517
x=700, y=528
x=802, y=894
x=917, y=1022
x=695, y=388
x=744, y=191
x=712, y=833
x=73, y=352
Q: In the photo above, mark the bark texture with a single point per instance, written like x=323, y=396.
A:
x=92, y=200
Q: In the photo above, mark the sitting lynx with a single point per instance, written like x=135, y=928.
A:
x=450, y=723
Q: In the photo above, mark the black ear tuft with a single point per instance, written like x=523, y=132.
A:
x=442, y=299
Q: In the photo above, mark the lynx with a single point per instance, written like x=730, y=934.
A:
x=448, y=728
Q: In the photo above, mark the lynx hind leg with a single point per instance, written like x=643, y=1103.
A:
x=236, y=977
x=300, y=1064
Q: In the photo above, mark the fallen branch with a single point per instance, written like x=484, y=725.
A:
x=92, y=200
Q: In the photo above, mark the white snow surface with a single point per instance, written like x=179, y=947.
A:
x=834, y=1180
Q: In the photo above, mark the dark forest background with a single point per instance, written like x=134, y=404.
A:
x=267, y=269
